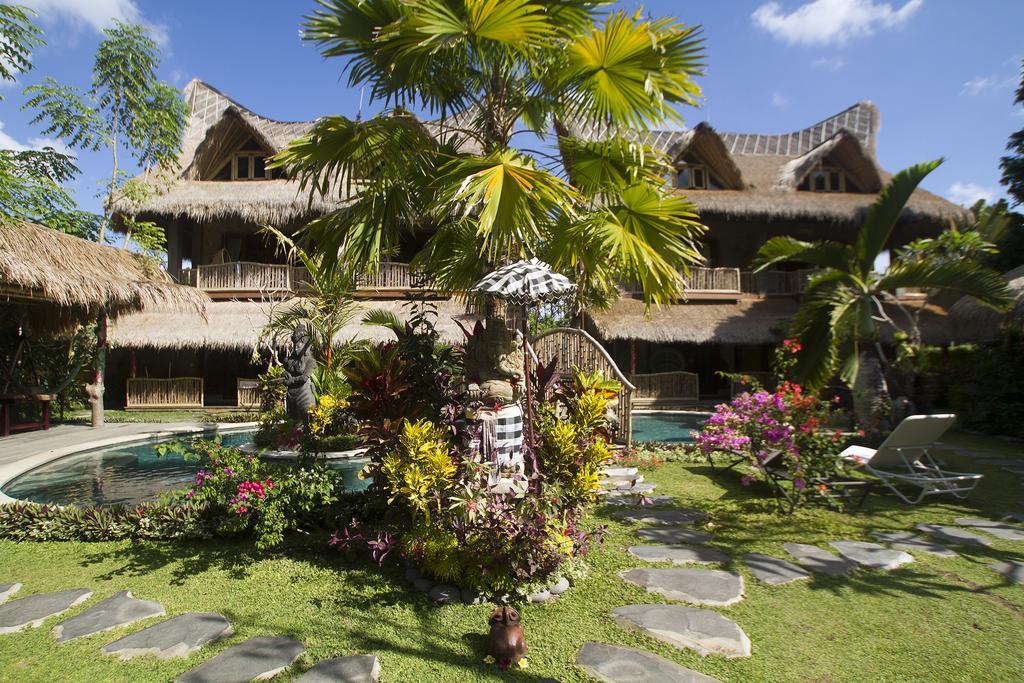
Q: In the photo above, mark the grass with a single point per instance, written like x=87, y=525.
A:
x=934, y=620
x=164, y=416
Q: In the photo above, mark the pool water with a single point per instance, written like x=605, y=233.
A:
x=130, y=475
x=667, y=427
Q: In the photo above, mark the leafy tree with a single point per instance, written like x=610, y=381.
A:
x=1013, y=163
x=839, y=320
x=490, y=71
x=126, y=109
x=20, y=36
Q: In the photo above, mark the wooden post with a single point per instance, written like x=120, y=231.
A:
x=95, y=390
x=632, y=356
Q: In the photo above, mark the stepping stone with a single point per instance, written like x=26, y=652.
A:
x=906, y=540
x=176, y=637
x=620, y=471
x=257, y=658
x=445, y=595
x=953, y=534
x=674, y=535
x=560, y=586
x=627, y=498
x=872, y=555
x=120, y=610
x=1014, y=571
x=351, y=669
x=32, y=611
x=616, y=479
x=818, y=560
x=678, y=554
x=671, y=517
x=615, y=664
x=1002, y=530
x=7, y=590
x=773, y=570
x=703, y=630
x=712, y=587
x=626, y=489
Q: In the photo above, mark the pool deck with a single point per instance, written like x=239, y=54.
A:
x=22, y=452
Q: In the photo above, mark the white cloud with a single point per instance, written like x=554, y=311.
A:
x=822, y=22
x=829, y=63
x=8, y=142
x=978, y=85
x=97, y=14
x=968, y=193
x=779, y=100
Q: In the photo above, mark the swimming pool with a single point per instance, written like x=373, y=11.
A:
x=667, y=427
x=129, y=475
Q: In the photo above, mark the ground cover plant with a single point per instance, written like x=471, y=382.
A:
x=936, y=619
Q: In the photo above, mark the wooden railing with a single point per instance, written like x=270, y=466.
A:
x=244, y=276
x=702, y=280
x=173, y=392
x=662, y=386
x=775, y=282
x=247, y=392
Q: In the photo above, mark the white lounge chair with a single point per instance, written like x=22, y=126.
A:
x=903, y=459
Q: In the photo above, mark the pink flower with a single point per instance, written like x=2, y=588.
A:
x=747, y=480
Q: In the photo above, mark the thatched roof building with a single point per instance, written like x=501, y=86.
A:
x=70, y=278
x=972, y=321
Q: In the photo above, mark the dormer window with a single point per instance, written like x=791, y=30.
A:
x=693, y=176
x=824, y=178
x=249, y=166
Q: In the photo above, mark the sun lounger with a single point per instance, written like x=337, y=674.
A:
x=903, y=460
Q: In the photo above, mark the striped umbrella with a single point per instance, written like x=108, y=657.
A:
x=524, y=283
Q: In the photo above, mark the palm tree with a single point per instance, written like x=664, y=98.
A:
x=839, y=321
x=488, y=72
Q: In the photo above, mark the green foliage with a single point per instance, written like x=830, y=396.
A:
x=32, y=522
x=21, y=36
x=420, y=470
x=1012, y=164
x=491, y=70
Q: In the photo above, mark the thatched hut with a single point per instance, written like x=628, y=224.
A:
x=972, y=321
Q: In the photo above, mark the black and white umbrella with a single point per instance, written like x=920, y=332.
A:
x=524, y=283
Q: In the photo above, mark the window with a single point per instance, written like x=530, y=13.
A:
x=827, y=179
x=695, y=177
x=249, y=166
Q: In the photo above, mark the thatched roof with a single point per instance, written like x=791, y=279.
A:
x=746, y=321
x=236, y=325
x=770, y=167
x=972, y=321
x=42, y=265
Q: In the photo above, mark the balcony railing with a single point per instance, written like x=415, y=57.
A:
x=243, y=276
x=775, y=282
x=717, y=281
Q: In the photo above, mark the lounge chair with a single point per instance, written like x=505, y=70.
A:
x=850, y=493
x=903, y=459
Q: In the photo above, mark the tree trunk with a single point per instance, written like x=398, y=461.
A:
x=95, y=390
x=871, y=400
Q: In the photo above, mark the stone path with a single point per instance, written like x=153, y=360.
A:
x=954, y=534
x=616, y=664
x=628, y=498
x=773, y=570
x=697, y=586
x=818, y=560
x=671, y=517
x=32, y=611
x=674, y=535
x=7, y=590
x=257, y=658
x=352, y=669
x=1014, y=571
x=678, y=554
x=176, y=637
x=872, y=555
x=908, y=540
x=119, y=610
x=1007, y=532
x=702, y=630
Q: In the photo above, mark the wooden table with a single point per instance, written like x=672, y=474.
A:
x=7, y=403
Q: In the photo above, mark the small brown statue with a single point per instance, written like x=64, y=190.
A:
x=508, y=644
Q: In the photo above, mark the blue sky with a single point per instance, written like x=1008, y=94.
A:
x=942, y=72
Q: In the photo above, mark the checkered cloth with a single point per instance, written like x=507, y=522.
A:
x=524, y=282
x=501, y=441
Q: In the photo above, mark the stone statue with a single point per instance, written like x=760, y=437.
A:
x=298, y=367
x=494, y=361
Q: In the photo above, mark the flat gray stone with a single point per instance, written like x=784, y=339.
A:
x=1014, y=571
x=257, y=658
x=560, y=586
x=671, y=517
x=351, y=669
x=471, y=597
x=818, y=560
x=674, y=535
x=906, y=540
x=1007, y=532
x=774, y=570
x=954, y=534
x=32, y=611
x=179, y=636
x=445, y=595
x=7, y=590
x=539, y=596
x=633, y=489
x=712, y=587
x=637, y=500
x=626, y=480
x=678, y=554
x=620, y=471
x=614, y=664
x=702, y=630
x=872, y=555
x=119, y=610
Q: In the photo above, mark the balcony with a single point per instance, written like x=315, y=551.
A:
x=703, y=284
x=244, y=278
x=775, y=282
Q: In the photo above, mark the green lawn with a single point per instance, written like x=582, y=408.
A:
x=112, y=416
x=934, y=620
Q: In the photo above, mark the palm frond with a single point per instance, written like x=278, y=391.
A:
x=597, y=166
x=824, y=254
x=965, y=277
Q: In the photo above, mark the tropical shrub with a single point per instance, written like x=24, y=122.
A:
x=23, y=521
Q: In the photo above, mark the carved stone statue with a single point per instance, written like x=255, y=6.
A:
x=494, y=361
x=298, y=367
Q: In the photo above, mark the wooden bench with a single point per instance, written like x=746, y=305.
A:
x=9, y=401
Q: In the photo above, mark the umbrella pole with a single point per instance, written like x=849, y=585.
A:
x=529, y=401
